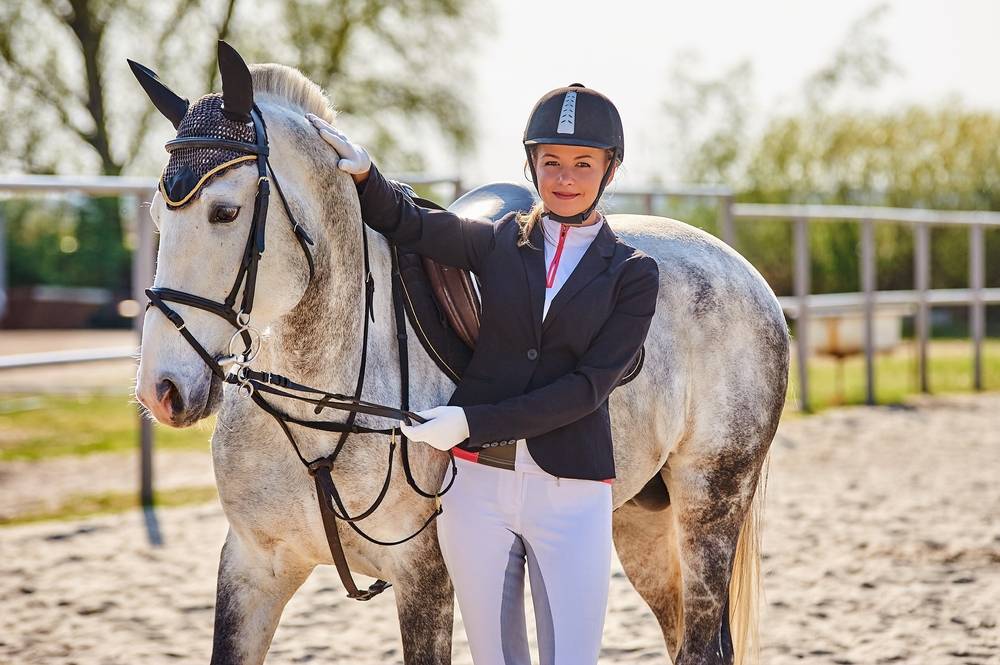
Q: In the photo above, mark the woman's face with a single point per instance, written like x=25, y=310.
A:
x=569, y=177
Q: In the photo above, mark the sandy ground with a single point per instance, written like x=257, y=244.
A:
x=63, y=479
x=882, y=545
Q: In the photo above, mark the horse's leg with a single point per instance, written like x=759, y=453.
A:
x=426, y=607
x=711, y=494
x=254, y=584
x=646, y=542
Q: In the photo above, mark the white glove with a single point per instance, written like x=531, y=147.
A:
x=446, y=428
x=354, y=158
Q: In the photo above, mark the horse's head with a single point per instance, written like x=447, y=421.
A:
x=217, y=208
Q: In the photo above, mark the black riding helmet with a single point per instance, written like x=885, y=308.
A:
x=575, y=115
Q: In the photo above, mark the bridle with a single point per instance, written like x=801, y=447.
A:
x=255, y=384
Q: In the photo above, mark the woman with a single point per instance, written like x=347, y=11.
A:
x=529, y=420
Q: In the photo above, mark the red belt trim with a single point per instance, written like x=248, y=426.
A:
x=466, y=454
x=474, y=457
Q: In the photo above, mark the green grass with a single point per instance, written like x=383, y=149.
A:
x=949, y=371
x=34, y=427
x=88, y=505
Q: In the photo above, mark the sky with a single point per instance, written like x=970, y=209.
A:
x=625, y=49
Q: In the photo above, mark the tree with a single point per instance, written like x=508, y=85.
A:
x=821, y=149
x=70, y=105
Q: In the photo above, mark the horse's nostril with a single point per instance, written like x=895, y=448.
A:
x=168, y=394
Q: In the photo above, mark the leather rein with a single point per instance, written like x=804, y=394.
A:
x=255, y=384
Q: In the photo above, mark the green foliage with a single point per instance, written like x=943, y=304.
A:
x=70, y=103
x=75, y=243
x=942, y=159
x=823, y=151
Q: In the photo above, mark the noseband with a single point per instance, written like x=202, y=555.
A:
x=257, y=383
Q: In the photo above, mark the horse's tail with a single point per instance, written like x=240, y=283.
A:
x=745, y=584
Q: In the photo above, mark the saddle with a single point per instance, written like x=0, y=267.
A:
x=442, y=303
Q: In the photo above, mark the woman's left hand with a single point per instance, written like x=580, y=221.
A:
x=446, y=428
x=354, y=158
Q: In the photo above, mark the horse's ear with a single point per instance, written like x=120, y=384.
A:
x=169, y=103
x=237, y=87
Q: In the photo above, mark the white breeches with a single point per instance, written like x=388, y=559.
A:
x=495, y=520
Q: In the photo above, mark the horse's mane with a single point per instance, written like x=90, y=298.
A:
x=292, y=88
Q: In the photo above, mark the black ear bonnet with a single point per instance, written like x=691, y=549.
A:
x=189, y=169
x=222, y=117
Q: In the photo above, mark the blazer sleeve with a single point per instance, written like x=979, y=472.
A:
x=578, y=393
x=439, y=234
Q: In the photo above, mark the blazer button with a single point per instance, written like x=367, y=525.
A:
x=532, y=354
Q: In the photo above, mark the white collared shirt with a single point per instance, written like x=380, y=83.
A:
x=578, y=239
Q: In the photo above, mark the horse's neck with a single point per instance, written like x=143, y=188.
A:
x=319, y=343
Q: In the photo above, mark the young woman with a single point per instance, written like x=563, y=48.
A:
x=566, y=308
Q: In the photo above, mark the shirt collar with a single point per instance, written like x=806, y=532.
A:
x=577, y=233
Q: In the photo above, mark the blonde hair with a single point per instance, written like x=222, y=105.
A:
x=527, y=220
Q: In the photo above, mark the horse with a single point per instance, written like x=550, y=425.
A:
x=698, y=419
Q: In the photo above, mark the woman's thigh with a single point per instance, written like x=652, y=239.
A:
x=567, y=535
x=485, y=560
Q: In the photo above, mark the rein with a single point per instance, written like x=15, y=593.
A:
x=255, y=384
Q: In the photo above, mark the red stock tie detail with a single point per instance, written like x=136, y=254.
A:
x=551, y=277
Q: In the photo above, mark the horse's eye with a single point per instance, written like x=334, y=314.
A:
x=224, y=214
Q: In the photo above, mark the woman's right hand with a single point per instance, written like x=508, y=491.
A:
x=354, y=158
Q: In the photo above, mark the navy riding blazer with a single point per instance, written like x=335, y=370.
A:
x=546, y=382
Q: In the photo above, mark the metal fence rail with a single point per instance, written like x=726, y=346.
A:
x=921, y=221
x=798, y=306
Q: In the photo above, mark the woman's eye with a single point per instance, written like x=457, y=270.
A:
x=225, y=214
x=551, y=163
x=586, y=164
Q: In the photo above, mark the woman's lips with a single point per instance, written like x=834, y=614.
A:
x=565, y=197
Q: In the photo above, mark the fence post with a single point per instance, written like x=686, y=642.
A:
x=868, y=285
x=143, y=260
x=726, y=230
x=3, y=262
x=977, y=312
x=802, y=287
x=922, y=275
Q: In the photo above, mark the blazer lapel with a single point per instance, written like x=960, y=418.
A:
x=534, y=271
x=593, y=262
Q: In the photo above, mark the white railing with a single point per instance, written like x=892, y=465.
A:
x=799, y=306
x=923, y=297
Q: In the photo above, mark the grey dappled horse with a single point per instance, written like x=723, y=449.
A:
x=701, y=414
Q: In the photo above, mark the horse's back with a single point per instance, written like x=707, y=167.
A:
x=711, y=276
x=718, y=343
